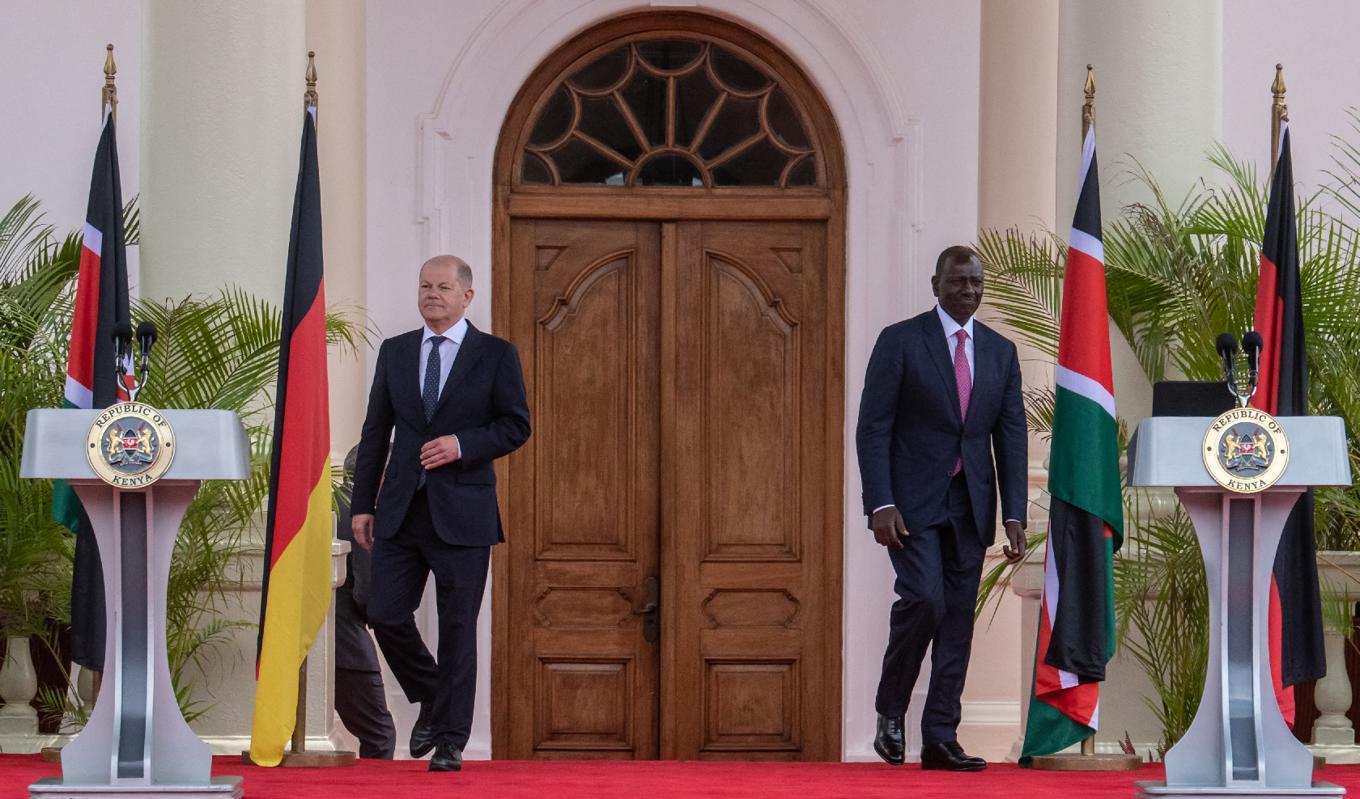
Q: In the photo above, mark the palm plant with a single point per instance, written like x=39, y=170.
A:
x=1177, y=275
x=218, y=351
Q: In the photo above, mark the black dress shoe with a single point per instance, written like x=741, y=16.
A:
x=447, y=757
x=949, y=756
x=422, y=733
x=889, y=742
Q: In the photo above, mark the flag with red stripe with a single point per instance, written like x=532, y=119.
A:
x=297, y=567
x=1076, y=635
x=101, y=302
x=1296, y=645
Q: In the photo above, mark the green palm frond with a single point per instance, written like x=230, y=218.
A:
x=1178, y=274
x=1024, y=284
x=219, y=351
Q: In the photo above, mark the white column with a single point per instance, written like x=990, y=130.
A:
x=222, y=88
x=1159, y=79
x=1333, y=733
x=336, y=30
x=1159, y=85
x=1017, y=153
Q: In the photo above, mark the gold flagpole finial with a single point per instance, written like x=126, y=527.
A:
x=109, y=96
x=1088, y=109
x=309, y=99
x=1279, y=112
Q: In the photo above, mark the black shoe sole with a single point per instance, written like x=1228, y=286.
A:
x=949, y=767
x=889, y=760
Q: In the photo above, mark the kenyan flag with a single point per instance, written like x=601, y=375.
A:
x=1086, y=520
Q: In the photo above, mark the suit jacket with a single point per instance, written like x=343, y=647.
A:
x=483, y=403
x=910, y=433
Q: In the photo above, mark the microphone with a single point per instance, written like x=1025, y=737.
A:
x=1252, y=344
x=146, y=337
x=1227, y=350
x=122, y=342
x=122, y=353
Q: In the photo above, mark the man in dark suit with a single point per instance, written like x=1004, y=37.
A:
x=941, y=394
x=452, y=400
x=360, y=697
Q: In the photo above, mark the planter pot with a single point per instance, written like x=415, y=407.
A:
x=18, y=686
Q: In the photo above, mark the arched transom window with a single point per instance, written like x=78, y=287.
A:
x=670, y=112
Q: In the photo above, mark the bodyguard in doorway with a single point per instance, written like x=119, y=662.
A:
x=941, y=397
x=451, y=400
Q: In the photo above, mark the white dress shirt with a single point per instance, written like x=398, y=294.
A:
x=951, y=329
x=448, y=350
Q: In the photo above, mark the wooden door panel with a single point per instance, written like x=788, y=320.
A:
x=754, y=475
x=584, y=317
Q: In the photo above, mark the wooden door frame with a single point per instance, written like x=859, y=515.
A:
x=666, y=204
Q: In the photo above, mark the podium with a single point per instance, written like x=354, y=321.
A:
x=1238, y=744
x=136, y=742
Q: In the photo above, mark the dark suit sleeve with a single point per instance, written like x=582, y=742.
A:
x=877, y=415
x=509, y=425
x=374, y=439
x=1010, y=440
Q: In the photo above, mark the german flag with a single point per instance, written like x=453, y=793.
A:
x=297, y=555
x=1295, y=618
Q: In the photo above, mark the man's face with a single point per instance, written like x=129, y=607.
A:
x=959, y=288
x=443, y=300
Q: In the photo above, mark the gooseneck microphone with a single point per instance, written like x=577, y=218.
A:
x=122, y=352
x=1227, y=350
x=1252, y=344
x=146, y=337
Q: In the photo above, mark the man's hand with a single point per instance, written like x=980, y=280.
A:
x=440, y=451
x=1015, y=551
x=889, y=529
x=362, y=525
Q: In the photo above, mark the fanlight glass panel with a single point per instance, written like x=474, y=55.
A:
x=670, y=112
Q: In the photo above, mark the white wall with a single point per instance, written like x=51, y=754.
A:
x=902, y=79
x=1315, y=40
x=52, y=63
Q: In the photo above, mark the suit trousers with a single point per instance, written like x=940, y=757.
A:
x=361, y=704
x=938, y=570
x=401, y=565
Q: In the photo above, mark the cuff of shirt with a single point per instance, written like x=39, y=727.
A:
x=1017, y=521
x=881, y=507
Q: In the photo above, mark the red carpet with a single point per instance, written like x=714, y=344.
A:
x=654, y=780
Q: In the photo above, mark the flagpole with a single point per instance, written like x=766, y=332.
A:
x=108, y=97
x=1087, y=760
x=1279, y=114
x=298, y=756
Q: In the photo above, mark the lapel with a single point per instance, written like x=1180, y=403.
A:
x=406, y=390
x=944, y=361
x=469, y=353
x=986, y=370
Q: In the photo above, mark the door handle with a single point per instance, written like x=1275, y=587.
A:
x=650, y=610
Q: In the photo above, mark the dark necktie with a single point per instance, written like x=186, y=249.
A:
x=430, y=391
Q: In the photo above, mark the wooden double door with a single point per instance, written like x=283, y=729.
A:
x=671, y=582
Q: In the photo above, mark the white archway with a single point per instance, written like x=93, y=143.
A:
x=456, y=147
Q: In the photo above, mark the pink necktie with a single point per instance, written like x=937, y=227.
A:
x=964, y=380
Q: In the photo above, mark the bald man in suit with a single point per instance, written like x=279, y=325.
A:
x=451, y=400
